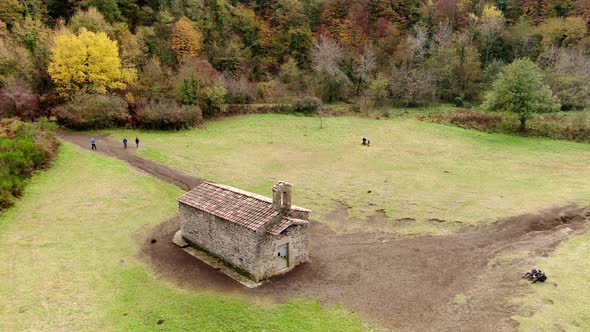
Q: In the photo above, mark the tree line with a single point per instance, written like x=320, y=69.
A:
x=168, y=63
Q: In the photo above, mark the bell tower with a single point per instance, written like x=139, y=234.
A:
x=281, y=196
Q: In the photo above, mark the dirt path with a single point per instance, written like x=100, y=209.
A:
x=109, y=147
x=445, y=283
x=401, y=283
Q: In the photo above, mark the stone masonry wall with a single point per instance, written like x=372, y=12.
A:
x=299, y=214
x=297, y=238
x=234, y=244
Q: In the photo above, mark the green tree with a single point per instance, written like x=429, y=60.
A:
x=189, y=91
x=91, y=19
x=520, y=89
x=108, y=8
x=299, y=44
x=132, y=50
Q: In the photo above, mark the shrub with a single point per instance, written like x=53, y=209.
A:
x=239, y=90
x=458, y=101
x=566, y=125
x=24, y=147
x=167, y=114
x=274, y=91
x=468, y=119
x=377, y=90
x=212, y=100
x=18, y=99
x=307, y=105
x=90, y=111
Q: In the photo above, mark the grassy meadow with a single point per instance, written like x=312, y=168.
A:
x=562, y=303
x=69, y=247
x=412, y=170
x=68, y=261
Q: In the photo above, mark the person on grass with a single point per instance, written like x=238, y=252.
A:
x=93, y=143
x=125, y=142
x=137, y=142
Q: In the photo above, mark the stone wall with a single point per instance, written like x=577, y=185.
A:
x=304, y=215
x=235, y=244
x=298, y=241
x=247, y=250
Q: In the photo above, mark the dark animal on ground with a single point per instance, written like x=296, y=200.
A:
x=535, y=275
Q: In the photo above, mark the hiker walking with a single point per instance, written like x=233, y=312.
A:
x=93, y=143
x=137, y=142
x=125, y=142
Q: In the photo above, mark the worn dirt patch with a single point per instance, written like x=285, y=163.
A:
x=400, y=283
x=407, y=283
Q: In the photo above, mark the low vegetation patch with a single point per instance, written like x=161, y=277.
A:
x=240, y=109
x=93, y=111
x=571, y=126
x=24, y=148
x=168, y=115
x=307, y=105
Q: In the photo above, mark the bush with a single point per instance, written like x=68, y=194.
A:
x=458, y=102
x=239, y=109
x=239, y=90
x=17, y=99
x=24, y=147
x=275, y=92
x=565, y=125
x=168, y=115
x=90, y=111
x=468, y=119
x=212, y=100
x=307, y=105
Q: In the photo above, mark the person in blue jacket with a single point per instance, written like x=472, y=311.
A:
x=93, y=143
x=125, y=142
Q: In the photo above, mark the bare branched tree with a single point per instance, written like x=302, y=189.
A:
x=568, y=74
x=443, y=35
x=365, y=64
x=326, y=51
x=412, y=87
x=326, y=57
x=418, y=41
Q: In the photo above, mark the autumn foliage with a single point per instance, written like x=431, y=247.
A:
x=88, y=62
x=185, y=40
x=211, y=53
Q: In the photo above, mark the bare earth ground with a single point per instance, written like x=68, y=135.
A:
x=457, y=282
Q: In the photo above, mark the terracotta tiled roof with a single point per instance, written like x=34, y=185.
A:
x=277, y=228
x=235, y=205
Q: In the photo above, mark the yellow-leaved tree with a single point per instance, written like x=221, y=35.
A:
x=88, y=62
x=185, y=40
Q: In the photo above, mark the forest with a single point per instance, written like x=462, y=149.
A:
x=167, y=64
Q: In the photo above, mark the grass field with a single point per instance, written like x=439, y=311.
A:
x=69, y=248
x=566, y=306
x=68, y=261
x=412, y=170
